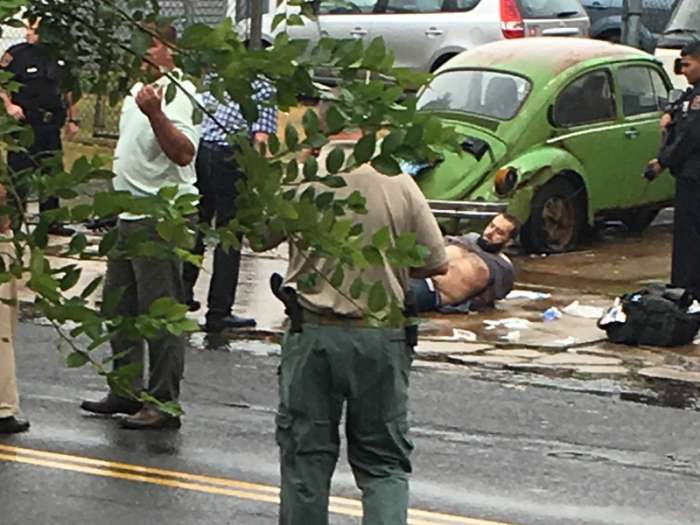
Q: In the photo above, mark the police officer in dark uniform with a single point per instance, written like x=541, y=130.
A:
x=680, y=153
x=41, y=104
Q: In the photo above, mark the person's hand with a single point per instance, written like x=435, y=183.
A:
x=665, y=121
x=72, y=129
x=15, y=111
x=150, y=100
x=259, y=138
x=655, y=167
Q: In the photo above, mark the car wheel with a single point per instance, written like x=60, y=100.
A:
x=557, y=218
x=639, y=220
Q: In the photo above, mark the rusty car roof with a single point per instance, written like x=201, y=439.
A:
x=545, y=55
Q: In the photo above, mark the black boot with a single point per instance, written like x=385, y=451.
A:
x=13, y=425
x=112, y=404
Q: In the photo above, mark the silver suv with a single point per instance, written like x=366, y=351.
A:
x=424, y=34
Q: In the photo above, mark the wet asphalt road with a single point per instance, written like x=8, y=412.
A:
x=488, y=449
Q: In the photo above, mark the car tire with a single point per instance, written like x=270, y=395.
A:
x=638, y=220
x=557, y=218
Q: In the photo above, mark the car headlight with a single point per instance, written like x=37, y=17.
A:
x=506, y=179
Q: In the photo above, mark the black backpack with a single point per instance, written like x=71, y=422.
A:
x=656, y=315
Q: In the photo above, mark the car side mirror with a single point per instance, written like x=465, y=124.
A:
x=674, y=95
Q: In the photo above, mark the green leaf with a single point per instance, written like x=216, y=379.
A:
x=278, y=19
x=291, y=137
x=377, y=299
x=373, y=256
x=273, y=144
x=324, y=200
x=356, y=288
x=140, y=42
x=335, y=160
x=77, y=359
x=393, y=141
x=375, y=53
x=311, y=169
x=334, y=181
x=108, y=242
x=336, y=120
x=386, y=165
x=382, y=239
x=90, y=288
x=364, y=149
x=311, y=123
x=170, y=93
x=78, y=243
x=338, y=277
x=292, y=171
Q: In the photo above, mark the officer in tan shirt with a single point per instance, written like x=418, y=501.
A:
x=336, y=360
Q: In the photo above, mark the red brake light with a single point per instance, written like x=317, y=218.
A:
x=511, y=20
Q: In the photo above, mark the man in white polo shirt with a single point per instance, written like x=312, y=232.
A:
x=156, y=149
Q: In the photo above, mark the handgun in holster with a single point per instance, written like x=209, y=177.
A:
x=290, y=300
x=411, y=311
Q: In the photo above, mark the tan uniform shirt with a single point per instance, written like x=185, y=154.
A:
x=393, y=201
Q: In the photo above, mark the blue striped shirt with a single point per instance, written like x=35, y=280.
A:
x=230, y=116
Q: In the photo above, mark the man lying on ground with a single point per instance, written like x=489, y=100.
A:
x=478, y=275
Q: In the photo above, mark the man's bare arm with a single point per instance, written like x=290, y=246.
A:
x=12, y=109
x=174, y=143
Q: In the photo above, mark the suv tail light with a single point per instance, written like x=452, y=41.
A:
x=512, y=25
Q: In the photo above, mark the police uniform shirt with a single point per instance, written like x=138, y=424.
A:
x=681, y=150
x=40, y=76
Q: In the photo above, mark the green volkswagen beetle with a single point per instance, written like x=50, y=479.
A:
x=557, y=131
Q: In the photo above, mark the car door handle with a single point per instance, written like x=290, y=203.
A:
x=596, y=5
x=632, y=133
x=358, y=32
x=434, y=31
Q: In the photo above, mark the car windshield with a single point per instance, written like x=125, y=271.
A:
x=685, y=19
x=488, y=93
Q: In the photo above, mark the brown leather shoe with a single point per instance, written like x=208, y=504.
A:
x=112, y=404
x=13, y=425
x=150, y=418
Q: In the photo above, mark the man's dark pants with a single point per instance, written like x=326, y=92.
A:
x=143, y=280
x=47, y=142
x=217, y=176
x=685, y=271
x=323, y=368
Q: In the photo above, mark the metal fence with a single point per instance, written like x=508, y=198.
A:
x=656, y=13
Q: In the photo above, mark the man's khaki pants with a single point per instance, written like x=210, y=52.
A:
x=9, y=398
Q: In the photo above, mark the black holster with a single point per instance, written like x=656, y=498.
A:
x=410, y=312
x=290, y=300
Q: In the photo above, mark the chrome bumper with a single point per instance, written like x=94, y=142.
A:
x=466, y=209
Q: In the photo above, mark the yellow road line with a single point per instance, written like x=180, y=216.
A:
x=206, y=484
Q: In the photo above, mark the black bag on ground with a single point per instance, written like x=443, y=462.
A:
x=656, y=315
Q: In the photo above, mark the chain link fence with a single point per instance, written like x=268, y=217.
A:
x=656, y=13
x=105, y=118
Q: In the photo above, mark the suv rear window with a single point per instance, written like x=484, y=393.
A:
x=550, y=8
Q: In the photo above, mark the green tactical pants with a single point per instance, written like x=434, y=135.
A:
x=323, y=367
x=143, y=280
